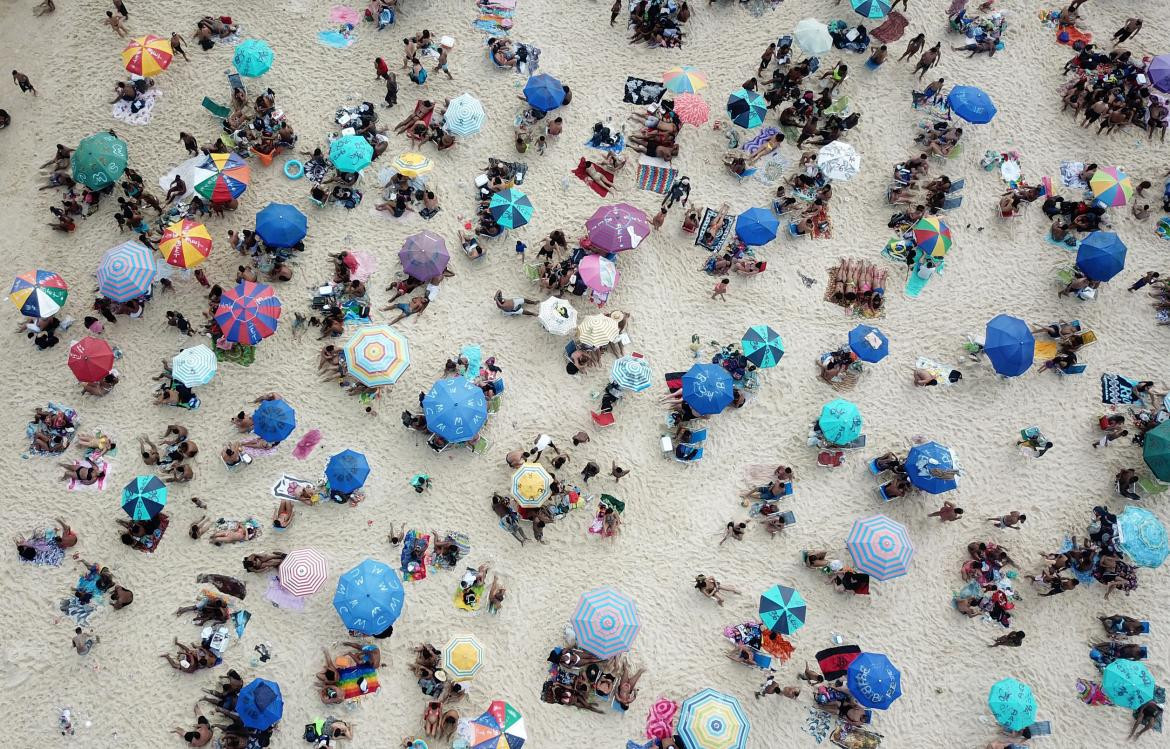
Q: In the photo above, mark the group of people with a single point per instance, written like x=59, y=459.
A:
x=578, y=678
x=657, y=23
x=1098, y=557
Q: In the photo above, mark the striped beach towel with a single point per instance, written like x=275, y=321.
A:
x=656, y=178
x=358, y=681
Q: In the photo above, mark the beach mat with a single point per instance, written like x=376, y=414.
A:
x=238, y=354
x=655, y=178
x=892, y=29
x=579, y=173
x=335, y=39
x=281, y=598
x=642, y=92
x=405, y=558
x=708, y=217
x=148, y=544
x=281, y=489
x=1070, y=174
x=357, y=681
x=49, y=554
x=74, y=486
x=122, y=110
x=1118, y=390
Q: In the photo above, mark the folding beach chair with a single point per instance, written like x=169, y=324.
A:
x=215, y=108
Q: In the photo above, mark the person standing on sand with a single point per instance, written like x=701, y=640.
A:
x=913, y=47
x=720, y=290
x=615, y=11
x=115, y=23
x=929, y=59
x=177, y=43
x=20, y=79
x=1011, y=520
x=947, y=513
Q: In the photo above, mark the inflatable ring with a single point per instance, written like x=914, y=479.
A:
x=294, y=169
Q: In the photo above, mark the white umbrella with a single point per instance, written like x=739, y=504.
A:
x=839, y=161
x=813, y=36
x=558, y=316
x=194, y=366
x=464, y=116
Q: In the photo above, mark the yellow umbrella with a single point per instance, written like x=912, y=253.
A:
x=531, y=485
x=185, y=243
x=147, y=55
x=597, y=330
x=462, y=657
x=413, y=164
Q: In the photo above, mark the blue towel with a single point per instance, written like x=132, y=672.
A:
x=335, y=39
x=615, y=148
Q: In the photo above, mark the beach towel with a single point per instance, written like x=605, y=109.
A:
x=941, y=372
x=336, y=39
x=660, y=719
x=77, y=611
x=822, y=229
x=1118, y=390
x=642, y=92
x=215, y=108
x=753, y=145
x=818, y=724
x=892, y=29
x=1084, y=577
x=281, y=598
x=357, y=681
x=137, y=112
x=149, y=543
x=617, y=147
x=474, y=356
x=579, y=173
x=462, y=543
x=411, y=568
x=239, y=353
x=282, y=488
x=1070, y=174
x=306, y=444
x=1090, y=693
x=493, y=22
x=49, y=553
x=770, y=169
x=655, y=178
x=708, y=217
x=852, y=737
x=476, y=605
x=1070, y=35
x=344, y=14
x=100, y=485
x=915, y=284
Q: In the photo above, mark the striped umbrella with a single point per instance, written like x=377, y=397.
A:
x=273, y=420
x=598, y=272
x=411, y=164
x=222, y=177
x=248, y=313
x=510, y=208
x=631, y=373
x=1111, y=186
x=618, y=227
x=38, y=293
x=253, y=58
x=840, y=421
x=605, y=622
x=99, y=160
x=369, y=597
x=746, y=108
x=347, y=471
x=377, y=355
x=91, y=359
x=303, y=572
x=880, y=547
x=424, y=256
x=144, y=497
x=1012, y=703
x=531, y=485
x=1128, y=684
x=126, y=271
x=932, y=236
x=1142, y=536
x=281, y=225
x=597, y=330
x=684, y=79
x=464, y=116
x=500, y=727
x=762, y=346
x=147, y=55
x=185, y=243
x=782, y=609
x=874, y=681
x=350, y=153
x=194, y=366
x=713, y=720
x=692, y=109
x=557, y=316
x=875, y=9
x=462, y=657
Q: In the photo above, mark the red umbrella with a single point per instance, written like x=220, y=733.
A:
x=91, y=359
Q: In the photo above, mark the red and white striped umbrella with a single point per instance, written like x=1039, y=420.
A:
x=303, y=572
x=691, y=109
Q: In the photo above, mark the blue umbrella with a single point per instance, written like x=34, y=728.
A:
x=347, y=471
x=259, y=704
x=972, y=104
x=1101, y=255
x=1009, y=345
x=544, y=92
x=253, y=58
x=455, y=409
x=707, y=388
x=873, y=681
x=369, y=598
x=869, y=343
x=756, y=226
x=921, y=459
x=281, y=225
x=1142, y=536
x=274, y=420
x=746, y=108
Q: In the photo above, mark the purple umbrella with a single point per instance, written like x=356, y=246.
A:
x=1159, y=73
x=614, y=228
x=424, y=256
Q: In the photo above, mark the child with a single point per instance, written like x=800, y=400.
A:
x=381, y=69
x=721, y=289
x=656, y=222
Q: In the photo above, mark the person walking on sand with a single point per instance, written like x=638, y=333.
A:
x=20, y=79
x=947, y=513
x=720, y=290
x=115, y=23
x=914, y=47
x=615, y=11
x=617, y=472
x=177, y=42
x=189, y=143
x=929, y=59
x=1128, y=31
x=1012, y=520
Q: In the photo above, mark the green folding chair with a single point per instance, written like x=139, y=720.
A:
x=215, y=108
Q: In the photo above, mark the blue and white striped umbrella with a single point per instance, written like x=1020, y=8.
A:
x=464, y=116
x=194, y=366
x=632, y=373
x=126, y=271
x=880, y=547
x=606, y=622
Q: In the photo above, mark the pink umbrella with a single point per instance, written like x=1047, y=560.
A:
x=614, y=228
x=364, y=265
x=598, y=273
x=691, y=109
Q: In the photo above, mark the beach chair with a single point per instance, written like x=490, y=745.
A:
x=698, y=437
x=793, y=233
x=532, y=272
x=873, y=468
x=479, y=447
x=431, y=444
x=216, y=108
x=881, y=490
x=1075, y=369
x=1149, y=486
x=493, y=405
x=235, y=82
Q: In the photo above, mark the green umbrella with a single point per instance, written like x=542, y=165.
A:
x=1156, y=450
x=253, y=58
x=1012, y=703
x=351, y=153
x=99, y=160
x=762, y=346
x=840, y=422
x=1128, y=684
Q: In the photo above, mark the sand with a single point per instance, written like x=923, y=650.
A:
x=123, y=694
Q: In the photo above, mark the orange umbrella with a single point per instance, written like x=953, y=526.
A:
x=185, y=243
x=147, y=55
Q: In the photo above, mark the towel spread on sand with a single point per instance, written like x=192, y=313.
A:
x=49, y=553
x=1118, y=390
x=892, y=29
x=149, y=543
x=357, y=681
x=336, y=39
x=579, y=173
x=641, y=91
x=708, y=217
x=656, y=178
x=281, y=598
x=100, y=485
x=137, y=112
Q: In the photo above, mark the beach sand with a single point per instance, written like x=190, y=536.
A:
x=123, y=694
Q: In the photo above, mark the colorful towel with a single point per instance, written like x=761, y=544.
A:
x=1090, y=693
x=49, y=553
x=493, y=23
x=123, y=109
x=357, y=681
x=660, y=719
x=306, y=444
x=1070, y=174
x=457, y=599
x=818, y=724
x=1118, y=390
x=579, y=173
x=462, y=543
x=77, y=611
x=753, y=145
x=893, y=28
x=941, y=372
x=411, y=568
x=771, y=169
x=655, y=178
x=708, y=217
x=336, y=39
x=237, y=354
x=100, y=485
x=149, y=543
x=642, y=92
x=281, y=489
x=281, y=598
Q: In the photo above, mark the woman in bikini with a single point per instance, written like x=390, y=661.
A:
x=84, y=474
x=240, y=532
x=712, y=588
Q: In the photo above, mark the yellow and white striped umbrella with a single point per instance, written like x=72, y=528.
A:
x=462, y=657
x=412, y=164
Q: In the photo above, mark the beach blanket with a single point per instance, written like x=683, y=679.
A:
x=1118, y=390
x=149, y=543
x=753, y=145
x=655, y=178
x=823, y=229
x=493, y=22
x=1070, y=174
x=852, y=737
x=498, y=4
x=282, y=488
x=708, y=217
x=305, y=444
x=617, y=147
x=641, y=91
x=941, y=372
x=818, y=724
x=281, y=598
x=125, y=110
x=357, y=681
x=412, y=568
x=344, y=14
x=660, y=719
x=77, y=611
x=1070, y=35
x=892, y=29
x=474, y=356
x=100, y=484
x=457, y=598
x=462, y=543
x=239, y=353
x=579, y=173
x=1090, y=693
x=915, y=285
x=336, y=39
x=49, y=553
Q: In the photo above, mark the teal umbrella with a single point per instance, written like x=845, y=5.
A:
x=782, y=609
x=1128, y=683
x=762, y=346
x=351, y=153
x=99, y=160
x=253, y=58
x=144, y=497
x=840, y=422
x=511, y=208
x=1012, y=703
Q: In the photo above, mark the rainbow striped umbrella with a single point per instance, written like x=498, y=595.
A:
x=684, y=79
x=880, y=547
x=605, y=622
x=222, y=177
x=462, y=657
x=194, y=366
x=500, y=727
x=377, y=355
x=185, y=243
x=126, y=271
x=531, y=485
x=147, y=55
x=248, y=313
x=713, y=720
x=692, y=109
x=303, y=572
x=1111, y=186
x=38, y=293
x=932, y=236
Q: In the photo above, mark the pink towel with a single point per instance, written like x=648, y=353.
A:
x=342, y=14
x=660, y=720
x=306, y=444
x=74, y=486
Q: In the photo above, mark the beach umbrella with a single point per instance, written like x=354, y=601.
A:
x=531, y=485
x=614, y=228
x=253, y=58
x=713, y=720
x=1101, y=255
x=756, y=226
x=185, y=243
x=248, y=313
x=631, y=373
x=424, y=256
x=684, y=79
x=1156, y=450
x=692, y=109
x=1111, y=186
x=273, y=420
x=500, y=727
x=91, y=359
x=840, y=421
x=144, y=497
x=972, y=104
x=874, y=681
x=707, y=388
x=38, y=293
x=376, y=355
x=194, y=366
x=455, y=409
x=875, y=9
x=1009, y=344
x=839, y=160
x=510, y=208
x=99, y=160
x=147, y=55
x=544, y=92
x=126, y=272
x=869, y=343
x=598, y=272
x=813, y=36
x=222, y=177
x=834, y=662
x=922, y=459
x=350, y=153
x=347, y=471
x=412, y=164
x=597, y=330
x=369, y=597
x=880, y=547
x=557, y=316
x=782, y=609
x=464, y=116
x=762, y=346
x=303, y=572
x=281, y=225
x=462, y=657
x=259, y=704
x=932, y=236
x=605, y=622
x=1142, y=536
x=1128, y=684
x=1159, y=73
x=746, y=108
x=1012, y=703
